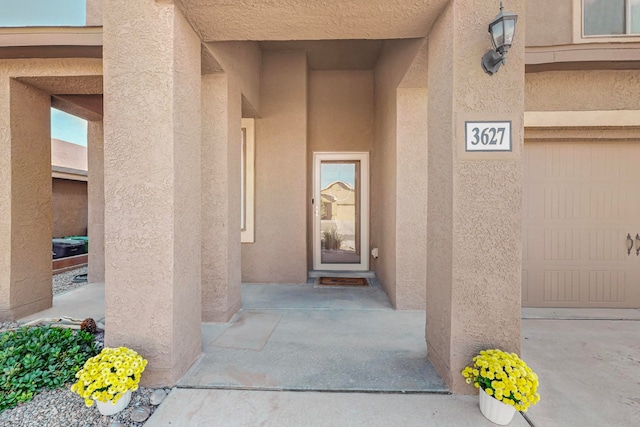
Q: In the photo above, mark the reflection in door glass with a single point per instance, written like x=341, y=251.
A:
x=339, y=212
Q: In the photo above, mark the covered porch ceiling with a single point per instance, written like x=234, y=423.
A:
x=332, y=54
x=222, y=20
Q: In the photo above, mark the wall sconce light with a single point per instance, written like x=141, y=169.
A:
x=501, y=29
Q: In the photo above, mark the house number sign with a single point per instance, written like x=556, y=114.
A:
x=488, y=136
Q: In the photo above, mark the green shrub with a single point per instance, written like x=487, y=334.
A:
x=332, y=239
x=34, y=358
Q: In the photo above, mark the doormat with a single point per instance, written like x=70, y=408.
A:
x=343, y=281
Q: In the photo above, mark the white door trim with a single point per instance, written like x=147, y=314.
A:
x=363, y=157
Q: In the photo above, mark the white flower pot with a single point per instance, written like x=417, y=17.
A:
x=494, y=410
x=106, y=408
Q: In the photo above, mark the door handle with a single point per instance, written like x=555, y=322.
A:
x=629, y=244
x=637, y=244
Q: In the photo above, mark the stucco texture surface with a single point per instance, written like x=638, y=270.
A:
x=474, y=213
x=565, y=90
x=69, y=207
x=94, y=12
x=24, y=115
x=397, y=139
x=411, y=199
x=242, y=62
x=553, y=22
x=305, y=20
x=221, y=271
x=66, y=76
x=279, y=252
x=95, y=215
x=25, y=200
x=152, y=186
x=68, y=155
x=340, y=119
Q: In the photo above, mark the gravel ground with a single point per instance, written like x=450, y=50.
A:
x=61, y=407
x=62, y=282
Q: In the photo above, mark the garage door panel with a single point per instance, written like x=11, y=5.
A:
x=606, y=286
x=608, y=202
x=561, y=244
x=607, y=245
x=562, y=202
x=581, y=202
x=561, y=285
x=564, y=161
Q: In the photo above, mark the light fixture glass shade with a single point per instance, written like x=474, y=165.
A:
x=497, y=34
x=502, y=30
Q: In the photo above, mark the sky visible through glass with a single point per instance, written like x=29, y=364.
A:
x=332, y=172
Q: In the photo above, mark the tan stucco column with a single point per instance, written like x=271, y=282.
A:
x=221, y=145
x=474, y=249
x=95, y=154
x=25, y=200
x=152, y=186
x=278, y=253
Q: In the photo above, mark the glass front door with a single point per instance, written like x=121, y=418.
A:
x=341, y=211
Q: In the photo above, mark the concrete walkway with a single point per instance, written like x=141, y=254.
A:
x=588, y=362
x=300, y=337
x=319, y=342
x=589, y=369
x=80, y=303
x=235, y=408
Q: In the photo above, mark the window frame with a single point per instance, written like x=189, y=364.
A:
x=578, y=27
x=247, y=182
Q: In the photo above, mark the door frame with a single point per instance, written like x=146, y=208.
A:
x=363, y=157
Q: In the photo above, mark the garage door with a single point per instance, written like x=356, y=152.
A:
x=581, y=201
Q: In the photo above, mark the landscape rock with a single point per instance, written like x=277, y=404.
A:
x=140, y=414
x=157, y=397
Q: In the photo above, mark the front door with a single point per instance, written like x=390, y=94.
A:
x=341, y=211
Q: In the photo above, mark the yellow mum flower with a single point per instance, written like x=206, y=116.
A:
x=110, y=374
x=511, y=380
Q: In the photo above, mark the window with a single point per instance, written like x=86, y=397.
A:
x=42, y=13
x=247, y=181
x=611, y=17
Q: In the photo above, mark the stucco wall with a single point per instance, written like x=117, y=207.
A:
x=68, y=155
x=221, y=122
x=36, y=243
x=565, y=90
x=280, y=248
x=25, y=200
x=395, y=60
x=152, y=186
x=69, y=207
x=440, y=192
x=311, y=20
x=94, y=12
x=549, y=22
x=95, y=189
x=411, y=199
x=242, y=61
x=340, y=119
x=474, y=253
